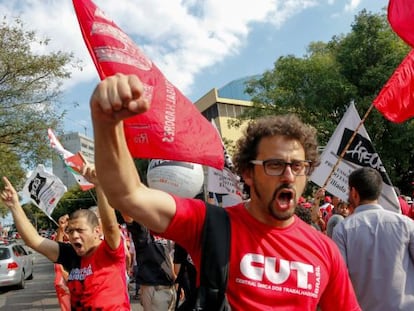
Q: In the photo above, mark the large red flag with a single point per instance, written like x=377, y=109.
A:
x=396, y=99
x=401, y=19
x=173, y=128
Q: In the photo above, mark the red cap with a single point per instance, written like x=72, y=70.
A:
x=328, y=199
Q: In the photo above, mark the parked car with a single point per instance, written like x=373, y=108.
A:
x=16, y=265
x=4, y=240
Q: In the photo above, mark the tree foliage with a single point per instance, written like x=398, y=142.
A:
x=74, y=199
x=30, y=89
x=38, y=219
x=320, y=85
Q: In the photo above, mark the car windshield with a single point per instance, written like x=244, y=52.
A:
x=4, y=253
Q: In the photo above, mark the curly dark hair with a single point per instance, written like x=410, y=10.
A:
x=286, y=125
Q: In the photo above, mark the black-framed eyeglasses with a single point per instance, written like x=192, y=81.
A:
x=277, y=167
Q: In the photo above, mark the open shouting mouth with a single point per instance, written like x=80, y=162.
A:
x=284, y=199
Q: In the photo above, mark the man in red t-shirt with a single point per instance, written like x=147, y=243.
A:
x=276, y=260
x=96, y=268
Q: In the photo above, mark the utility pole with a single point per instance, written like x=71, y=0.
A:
x=85, y=128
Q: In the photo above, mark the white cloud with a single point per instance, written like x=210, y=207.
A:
x=182, y=37
x=352, y=5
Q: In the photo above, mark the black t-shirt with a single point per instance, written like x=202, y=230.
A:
x=152, y=255
x=186, y=277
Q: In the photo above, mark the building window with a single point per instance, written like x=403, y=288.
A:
x=238, y=110
x=211, y=112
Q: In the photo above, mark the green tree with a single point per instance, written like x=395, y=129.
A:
x=30, y=90
x=320, y=86
x=368, y=56
x=37, y=217
x=142, y=167
x=74, y=199
x=311, y=87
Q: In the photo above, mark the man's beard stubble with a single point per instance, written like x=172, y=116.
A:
x=281, y=216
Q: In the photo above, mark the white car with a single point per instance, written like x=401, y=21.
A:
x=16, y=265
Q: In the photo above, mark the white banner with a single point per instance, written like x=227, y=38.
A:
x=360, y=153
x=224, y=181
x=44, y=189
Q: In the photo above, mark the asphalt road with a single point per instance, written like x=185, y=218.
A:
x=39, y=293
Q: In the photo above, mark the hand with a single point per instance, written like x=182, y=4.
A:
x=9, y=195
x=320, y=193
x=88, y=171
x=118, y=97
x=63, y=222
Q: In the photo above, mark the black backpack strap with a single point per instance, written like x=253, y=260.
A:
x=215, y=255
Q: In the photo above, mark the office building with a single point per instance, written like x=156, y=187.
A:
x=226, y=104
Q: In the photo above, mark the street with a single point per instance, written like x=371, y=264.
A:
x=39, y=293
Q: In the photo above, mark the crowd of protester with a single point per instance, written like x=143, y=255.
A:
x=286, y=250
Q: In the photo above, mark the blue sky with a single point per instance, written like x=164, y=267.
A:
x=197, y=44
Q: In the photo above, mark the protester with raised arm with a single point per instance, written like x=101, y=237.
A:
x=276, y=260
x=97, y=277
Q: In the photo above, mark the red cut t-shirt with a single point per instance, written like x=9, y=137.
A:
x=98, y=281
x=294, y=268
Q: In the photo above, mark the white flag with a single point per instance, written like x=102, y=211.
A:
x=44, y=189
x=225, y=181
x=360, y=153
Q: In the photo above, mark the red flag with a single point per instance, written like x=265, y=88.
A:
x=396, y=99
x=62, y=290
x=173, y=128
x=401, y=19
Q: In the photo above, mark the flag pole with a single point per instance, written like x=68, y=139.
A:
x=93, y=197
x=54, y=221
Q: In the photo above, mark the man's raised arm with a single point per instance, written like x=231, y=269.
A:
x=25, y=228
x=113, y=100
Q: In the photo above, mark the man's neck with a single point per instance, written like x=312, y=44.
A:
x=364, y=202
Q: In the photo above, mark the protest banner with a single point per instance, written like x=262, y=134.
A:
x=44, y=189
x=358, y=153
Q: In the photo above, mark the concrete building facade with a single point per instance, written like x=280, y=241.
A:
x=225, y=104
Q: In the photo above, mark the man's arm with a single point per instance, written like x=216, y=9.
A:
x=28, y=233
x=315, y=212
x=339, y=239
x=114, y=99
x=110, y=228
